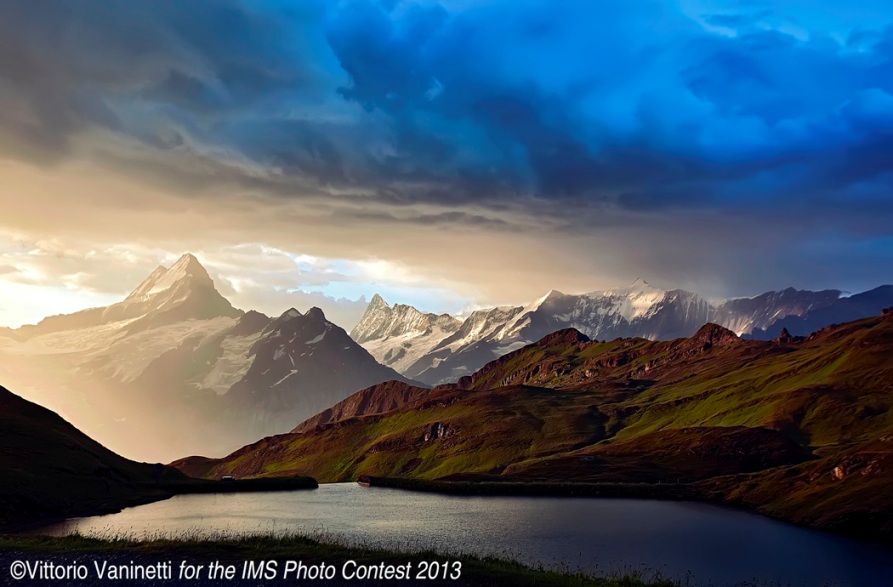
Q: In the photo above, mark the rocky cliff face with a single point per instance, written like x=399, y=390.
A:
x=382, y=321
x=399, y=336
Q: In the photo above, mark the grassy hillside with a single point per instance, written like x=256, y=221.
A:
x=797, y=428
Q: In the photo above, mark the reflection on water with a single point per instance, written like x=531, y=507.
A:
x=714, y=545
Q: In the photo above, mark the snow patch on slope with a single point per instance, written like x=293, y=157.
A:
x=318, y=338
x=232, y=364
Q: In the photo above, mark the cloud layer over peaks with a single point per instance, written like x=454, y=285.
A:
x=734, y=145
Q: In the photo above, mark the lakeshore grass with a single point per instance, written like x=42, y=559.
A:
x=232, y=548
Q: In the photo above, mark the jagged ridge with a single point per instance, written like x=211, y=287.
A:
x=638, y=310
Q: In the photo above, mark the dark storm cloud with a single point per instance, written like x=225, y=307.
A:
x=138, y=68
x=445, y=219
x=583, y=114
x=591, y=99
x=554, y=99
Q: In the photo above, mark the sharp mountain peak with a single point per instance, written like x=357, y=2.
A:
x=290, y=313
x=186, y=267
x=188, y=264
x=315, y=313
x=378, y=302
x=551, y=295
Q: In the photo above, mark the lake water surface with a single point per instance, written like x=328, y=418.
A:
x=709, y=544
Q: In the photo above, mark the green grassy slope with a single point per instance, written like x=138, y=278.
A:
x=762, y=424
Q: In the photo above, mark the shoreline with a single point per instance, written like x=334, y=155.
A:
x=226, y=544
x=665, y=492
x=660, y=492
x=163, y=491
x=692, y=492
x=191, y=486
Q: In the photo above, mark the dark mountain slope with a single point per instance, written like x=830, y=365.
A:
x=836, y=312
x=301, y=365
x=48, y=468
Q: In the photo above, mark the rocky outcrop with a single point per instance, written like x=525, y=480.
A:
x=437, y=431
x=250, y=323
x=785, y=337
x=864, y=464
x=712, y=335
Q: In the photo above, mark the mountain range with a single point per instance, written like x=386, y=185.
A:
x=796, y=427
x=436, y=349
x=174, y=368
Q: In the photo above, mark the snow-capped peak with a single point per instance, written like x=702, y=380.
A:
x=522, y=319
x=400, y=326
x=631, y=301
x=552, y=295
x=186, y=267
x=639, y=286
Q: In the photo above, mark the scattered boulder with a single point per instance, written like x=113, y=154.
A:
x=864, y=464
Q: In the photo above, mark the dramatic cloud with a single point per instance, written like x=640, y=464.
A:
x=493, y=149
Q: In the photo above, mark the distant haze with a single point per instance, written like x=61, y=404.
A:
x=450, y=155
